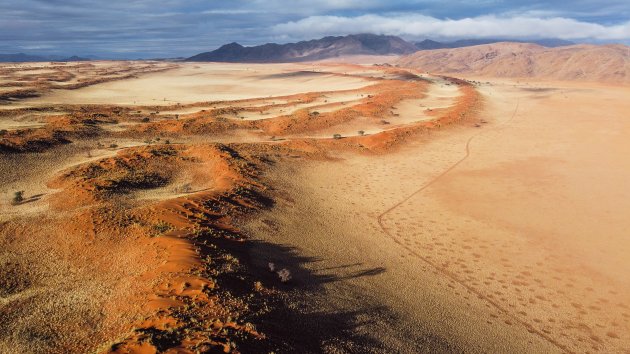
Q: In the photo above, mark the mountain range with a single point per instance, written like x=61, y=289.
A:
x=327, y=47
x=332, y=47
x=24, y=58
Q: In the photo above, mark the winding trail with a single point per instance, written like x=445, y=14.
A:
x=444, y=271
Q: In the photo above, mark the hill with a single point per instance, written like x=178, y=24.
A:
x=609, y=63
x=318, y=49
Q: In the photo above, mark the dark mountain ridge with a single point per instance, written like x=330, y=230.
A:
x=336, y=46
x=317, y=49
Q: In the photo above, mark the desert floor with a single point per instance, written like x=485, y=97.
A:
x=447, y=216
x=508, y=237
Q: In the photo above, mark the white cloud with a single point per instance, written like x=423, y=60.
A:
x=477, y=27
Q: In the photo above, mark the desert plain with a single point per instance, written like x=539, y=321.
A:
x=412, y=211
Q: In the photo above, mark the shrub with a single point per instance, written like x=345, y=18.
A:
x=258, y=287
x=337, y=136
x=162, y=227
x=284, y=275
x=145, y=120
x=361, y=132
x=18, y=197
x=113, y=146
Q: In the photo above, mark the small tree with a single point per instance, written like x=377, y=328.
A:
x=18, y=197
x=361, y=132
x=337, y=136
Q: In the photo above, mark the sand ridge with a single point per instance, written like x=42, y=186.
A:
x=163, y=182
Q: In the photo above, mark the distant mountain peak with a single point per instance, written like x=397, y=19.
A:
x=232, y=45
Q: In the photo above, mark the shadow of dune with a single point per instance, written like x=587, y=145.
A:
x=295, y=320
x=295, y=324
x=284, y=256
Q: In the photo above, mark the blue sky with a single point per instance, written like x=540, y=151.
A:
x=164, y=28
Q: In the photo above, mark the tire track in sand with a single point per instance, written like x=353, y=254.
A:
x=445, y=272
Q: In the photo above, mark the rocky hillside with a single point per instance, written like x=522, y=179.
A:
x=608, y=63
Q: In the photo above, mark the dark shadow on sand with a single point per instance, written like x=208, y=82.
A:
x=293, y=324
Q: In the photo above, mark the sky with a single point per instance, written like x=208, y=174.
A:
x=176, y=28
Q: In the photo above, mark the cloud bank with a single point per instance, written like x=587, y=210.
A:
x=169, y=28
x=420, y=26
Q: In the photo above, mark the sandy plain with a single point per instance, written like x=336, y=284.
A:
x=508, y=237
x=446, y=217
x=206, y=82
